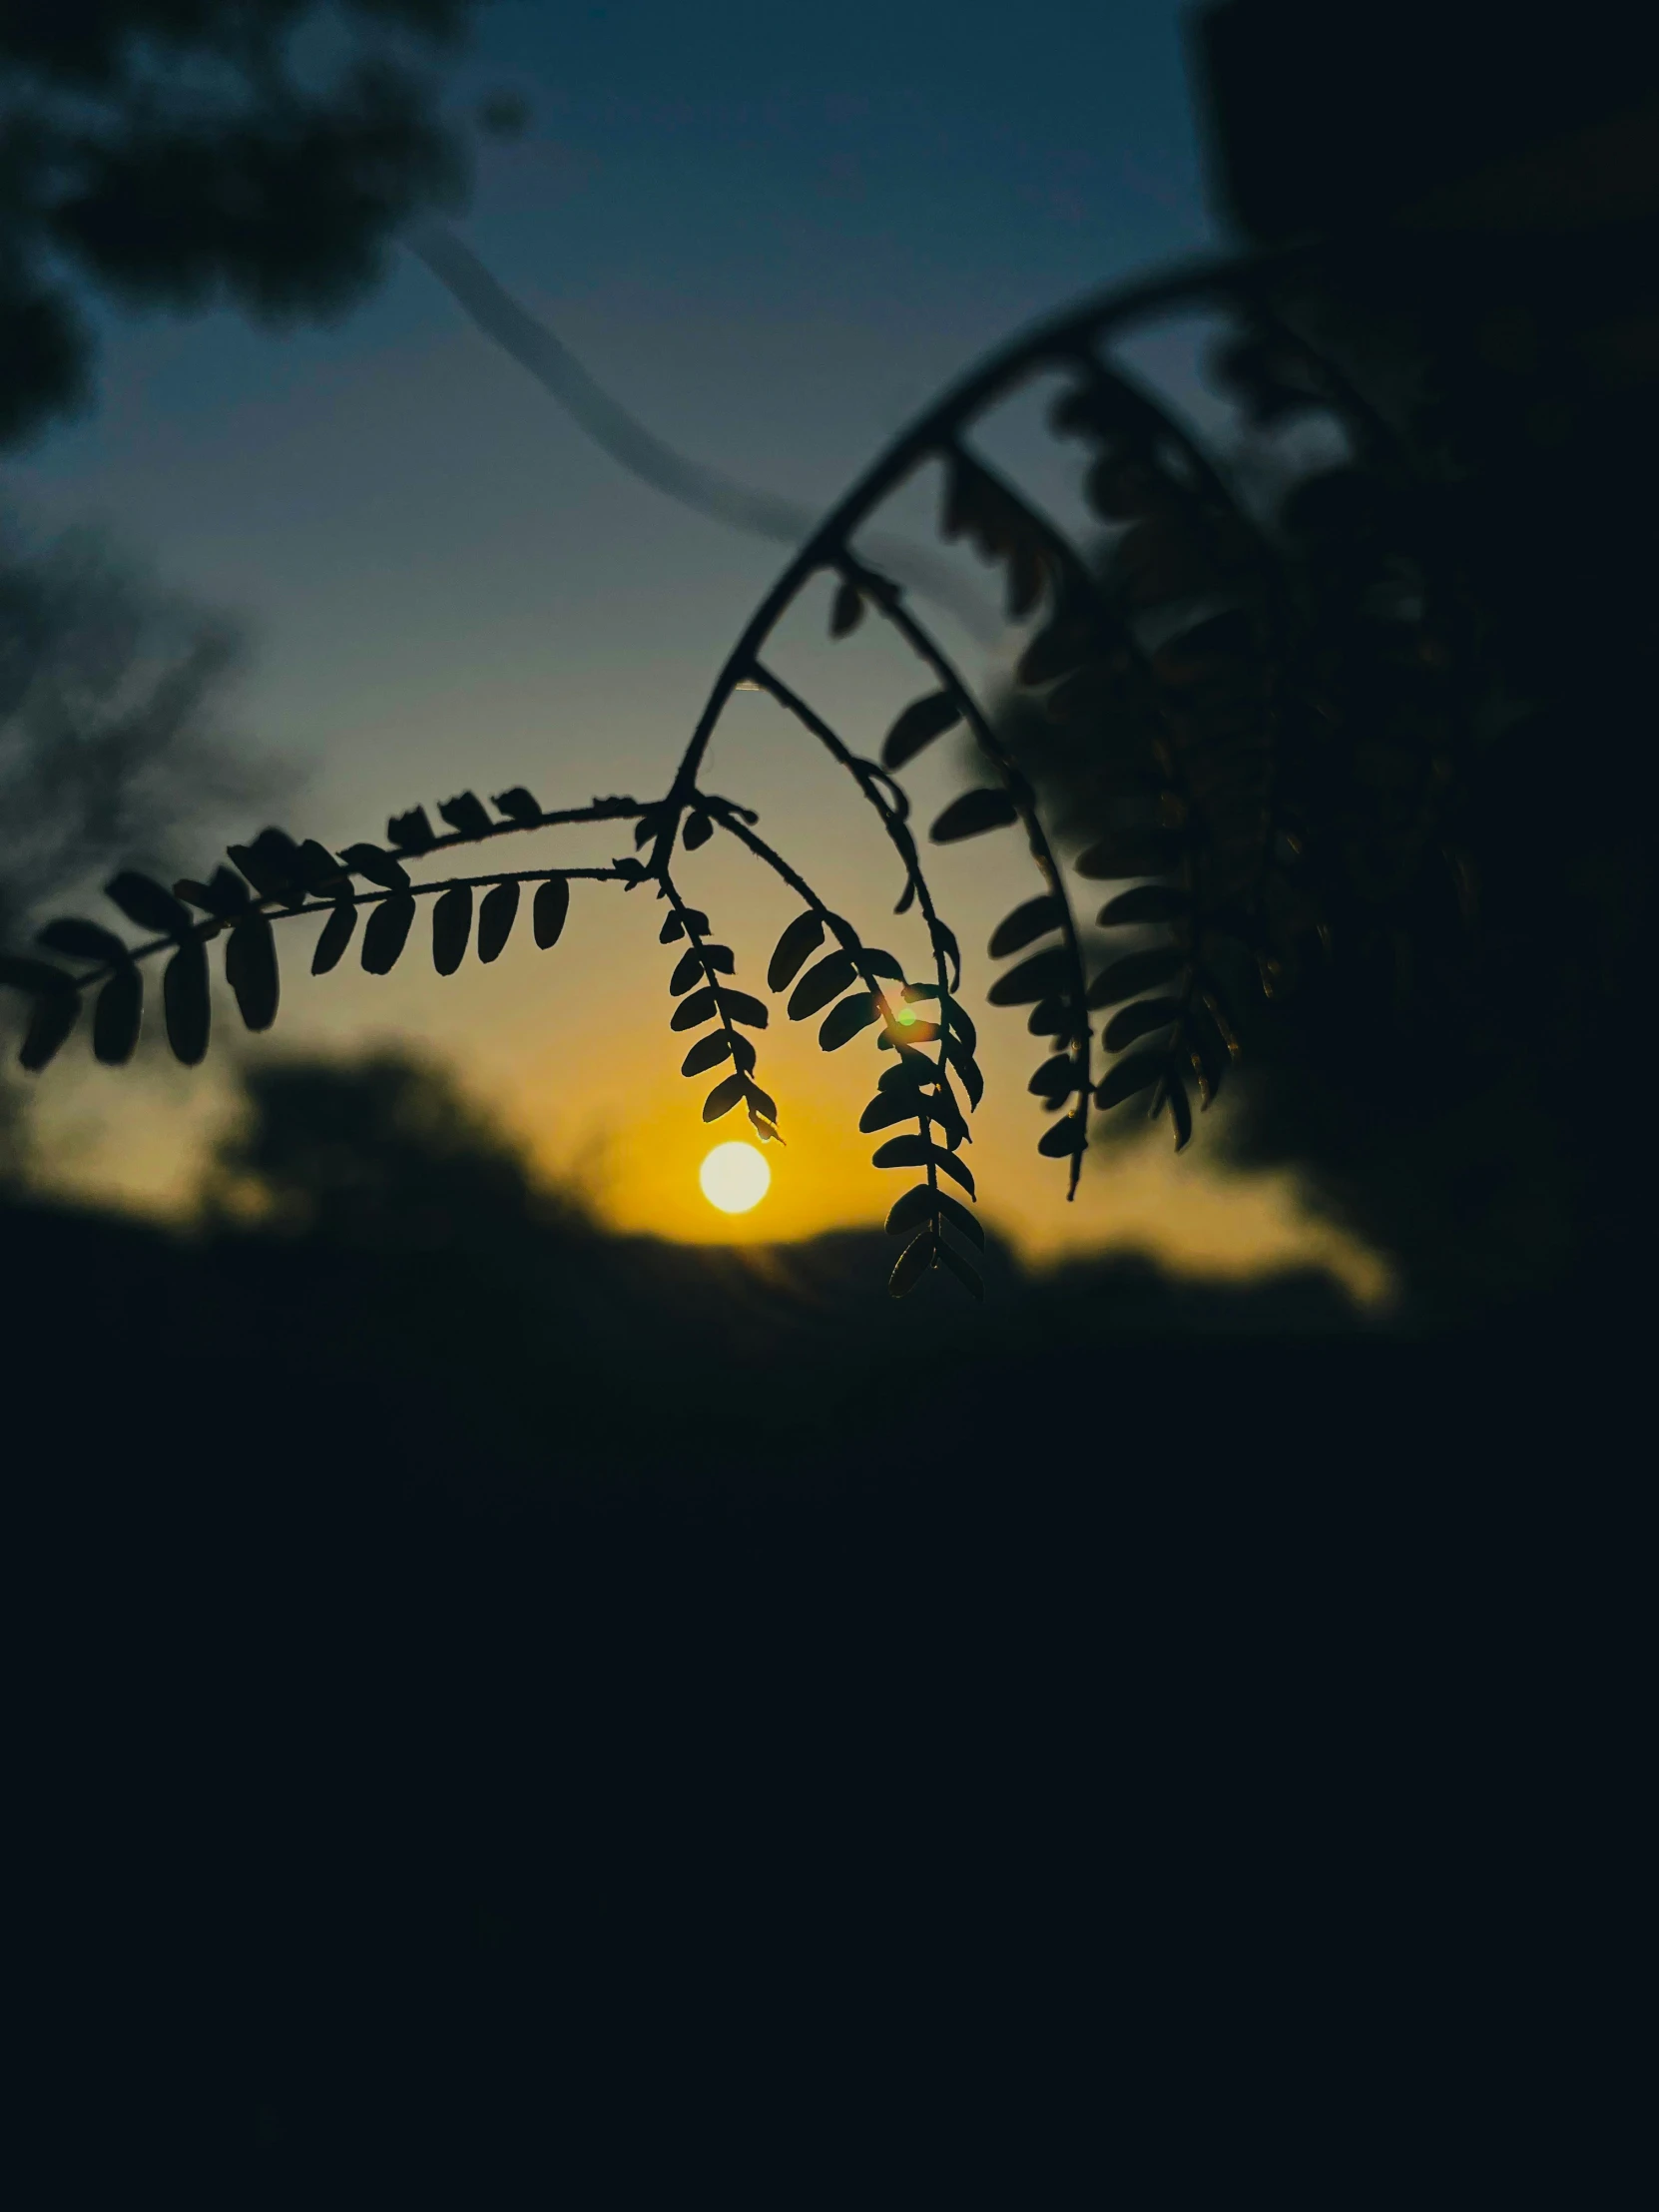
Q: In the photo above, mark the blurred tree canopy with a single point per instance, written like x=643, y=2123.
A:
x=115, y=735
x=181, y=152
x=113, y=715
x=1448, y=1064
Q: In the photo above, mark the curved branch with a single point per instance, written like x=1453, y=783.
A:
x=204, y=933
x=803, y=890
x=1067, y=337
x=1025, y=803
x=868, y=777
x=864, y=775
x=277, y=910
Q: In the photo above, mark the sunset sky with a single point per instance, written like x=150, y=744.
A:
x=772, y=234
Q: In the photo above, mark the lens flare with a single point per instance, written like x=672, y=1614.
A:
x=734, y=1177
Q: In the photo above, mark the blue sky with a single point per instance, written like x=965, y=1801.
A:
x=771, y=233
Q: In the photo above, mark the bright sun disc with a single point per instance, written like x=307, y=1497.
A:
x=734, y=1177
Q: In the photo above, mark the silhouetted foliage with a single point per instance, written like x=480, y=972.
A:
x=1307, y=694
x=441, y=1824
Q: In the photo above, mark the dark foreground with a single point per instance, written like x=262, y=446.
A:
x=493, y=1730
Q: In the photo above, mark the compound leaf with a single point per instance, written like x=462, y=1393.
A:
x=959, y=1018
x=381, y=867
x=967, y=1070
x=115, y=1017
x=1050, y=1018
x=918, y=1152
x=912, y=1263
x=1132, y=1074
x=953, y=1211
x=917, y=1205
x=1044, y=975
x=83, y=940
x=1138, y=1019
x=1056, y=1078
x=1062, y=1138
x=902, y=1151
x=886, y=1109
x=185, y=1003
x=921, y=722
x=693, y=1012
x=272, y=872
x=1034, y=919
x=739, y=1006
x=725, y=1095
x=1137, y=972
x=873, y=961
x=911, y=1070
x=1146, y=903
x=321, y=874
x=844, y=1022
x=825, y=981
x=548, y=910
x=707, y=1053
x=225, y=894
x=250, y=970
x=337, y=934
x=496, y=916
x=54, y=1016
x=388, y=934
x=972, y=814
x=410, y=833
x=144, y=900
x=33, y=976
x=846, y=612
x=802, y=936
x=466, y=815
x=451, y=925
x=518, y=805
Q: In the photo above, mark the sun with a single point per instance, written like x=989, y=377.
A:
x=735, y=1178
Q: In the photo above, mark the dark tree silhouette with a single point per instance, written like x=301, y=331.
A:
x=175, y=152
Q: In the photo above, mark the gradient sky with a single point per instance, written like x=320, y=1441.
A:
x=773, y=233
